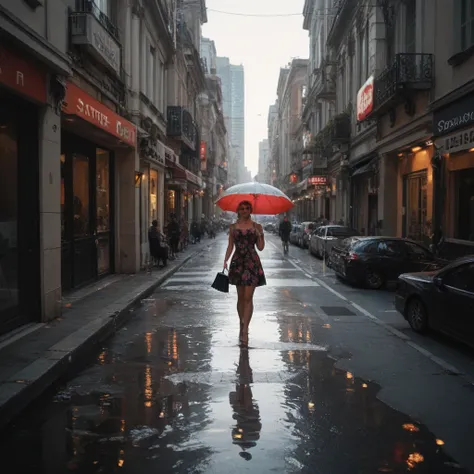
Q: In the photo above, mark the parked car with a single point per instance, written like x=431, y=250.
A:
x=295, y=229
x=375, y=261
x=441, y=300
x=303, y=234
x=325, y=237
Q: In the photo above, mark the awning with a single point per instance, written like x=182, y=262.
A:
x=367, y=168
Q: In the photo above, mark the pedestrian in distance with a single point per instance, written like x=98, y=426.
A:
x=245, y=270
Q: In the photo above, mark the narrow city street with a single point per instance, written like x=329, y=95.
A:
x=324, y=388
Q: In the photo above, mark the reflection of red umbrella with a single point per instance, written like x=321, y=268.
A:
x=265, y=199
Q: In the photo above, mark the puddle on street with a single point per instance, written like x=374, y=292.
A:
x=173, y=393
x=172, y=403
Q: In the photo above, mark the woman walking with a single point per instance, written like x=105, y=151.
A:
x=245, y=271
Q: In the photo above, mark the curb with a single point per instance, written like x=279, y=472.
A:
x=31, y=382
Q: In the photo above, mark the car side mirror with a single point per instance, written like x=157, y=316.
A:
x=438, y=282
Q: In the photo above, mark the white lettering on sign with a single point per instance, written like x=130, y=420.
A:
x=458, y=141
x=446, y=125
x=125, y=132
x=365, y=99
x=94, y=114
x=20, y=79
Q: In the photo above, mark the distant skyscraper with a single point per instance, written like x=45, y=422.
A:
x=208, y=55
x=233, y=91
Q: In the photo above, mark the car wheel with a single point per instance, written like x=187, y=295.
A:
x=416, y=315
x=373, y=279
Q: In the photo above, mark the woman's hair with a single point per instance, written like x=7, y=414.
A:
x=247, y=203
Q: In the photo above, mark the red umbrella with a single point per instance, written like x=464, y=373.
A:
x=265, y=199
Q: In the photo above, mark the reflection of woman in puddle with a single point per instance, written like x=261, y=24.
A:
x=246, y=412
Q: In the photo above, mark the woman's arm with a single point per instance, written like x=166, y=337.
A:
x=230, y=247
x=260, y=238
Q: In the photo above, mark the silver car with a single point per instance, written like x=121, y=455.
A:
x=323, y=239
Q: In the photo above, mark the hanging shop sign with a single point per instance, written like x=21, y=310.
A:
x=87, y=108
x=456, y=115
x=203, y=155
x=459, y=141
x=365, y=99
x=317, y=180
x=21, y=75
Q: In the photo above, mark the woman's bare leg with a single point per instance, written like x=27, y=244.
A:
x=247, y=313
x=240, y=307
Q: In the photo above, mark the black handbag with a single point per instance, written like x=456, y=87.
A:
x=221, y=282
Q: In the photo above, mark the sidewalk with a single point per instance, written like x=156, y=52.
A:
x=30, y=364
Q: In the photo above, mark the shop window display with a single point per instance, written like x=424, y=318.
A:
x=153, y=195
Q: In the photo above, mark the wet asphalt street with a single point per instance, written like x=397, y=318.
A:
x=323, y=389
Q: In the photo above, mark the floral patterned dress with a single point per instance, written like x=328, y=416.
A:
x=245, y=268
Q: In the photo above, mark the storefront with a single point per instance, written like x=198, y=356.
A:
x=22, y=94
x=364, y=184
x=92, y=137
x=454, y=184
x=152, y=190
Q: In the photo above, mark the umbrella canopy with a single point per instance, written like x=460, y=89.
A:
x=265, y=199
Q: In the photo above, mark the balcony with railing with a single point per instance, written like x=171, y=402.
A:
x=324, y=85
x=336, y=132
x=94, y=32
x=180, y=125
x=409, y=73
x=190, y=162
x=90, y=7
x=342, y=11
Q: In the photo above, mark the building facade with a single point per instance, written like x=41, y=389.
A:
x=264, y=175
x=100, y=134
x=292, y=85
x=233, y=93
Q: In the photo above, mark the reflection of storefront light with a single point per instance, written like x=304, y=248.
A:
x=429, y=143
x=416, y=149
x=471, y=150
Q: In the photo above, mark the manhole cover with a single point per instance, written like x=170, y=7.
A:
x=337, y=311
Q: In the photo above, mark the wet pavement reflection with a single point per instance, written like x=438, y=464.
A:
x=173, y=393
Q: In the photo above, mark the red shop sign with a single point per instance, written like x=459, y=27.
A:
x=203, y=151
x=365, y=99
x=87, y=108
x=22, y=75
x=317, y=180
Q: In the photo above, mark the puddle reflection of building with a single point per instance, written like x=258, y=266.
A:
x=246, y=432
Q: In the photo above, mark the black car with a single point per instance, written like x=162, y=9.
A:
x=442, y=300
x=375, y=261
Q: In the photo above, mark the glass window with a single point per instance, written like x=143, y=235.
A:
x=103, y=6
x=392, y=248
x=462, y=278
x=416, y=251
x=171, y=201
x=103, y=190
x=81, y=196
x=153, y=195
x=410, y=27
x=467, y=24
x=8, y=216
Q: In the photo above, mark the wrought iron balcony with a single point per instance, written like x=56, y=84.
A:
x=410, y=72
x=190, y=162
x=324, y=86
x=181, y=126
x=89, y=6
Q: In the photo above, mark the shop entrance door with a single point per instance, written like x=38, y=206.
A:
x=415, y=200
x=87, y=213
x=20, y=297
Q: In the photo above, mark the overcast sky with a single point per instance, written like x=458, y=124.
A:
x=262, y=45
